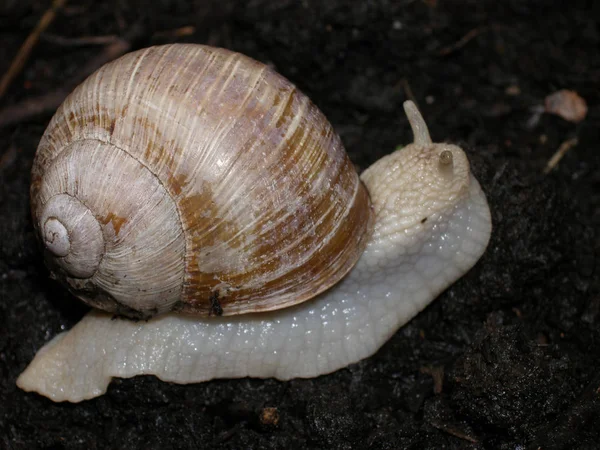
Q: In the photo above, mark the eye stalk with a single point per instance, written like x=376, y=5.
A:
x=446, y=158
x=446, y=164
x=418, y=125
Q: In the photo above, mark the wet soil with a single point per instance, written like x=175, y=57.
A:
x=507, y=358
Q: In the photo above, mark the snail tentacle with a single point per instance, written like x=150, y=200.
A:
x=417, y=124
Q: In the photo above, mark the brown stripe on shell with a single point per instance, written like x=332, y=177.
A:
x=264, y=189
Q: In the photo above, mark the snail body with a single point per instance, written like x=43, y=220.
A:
x=416, y=221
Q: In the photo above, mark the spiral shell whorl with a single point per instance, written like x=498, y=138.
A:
x=72, y=235
x=121, y=227
x=56, y=237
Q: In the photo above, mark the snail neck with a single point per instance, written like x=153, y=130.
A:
x=404, y=268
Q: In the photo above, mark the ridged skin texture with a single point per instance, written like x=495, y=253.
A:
x=208, y=166
x=432, y=225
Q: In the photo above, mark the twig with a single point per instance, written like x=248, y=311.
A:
x=8, y=157
x=79, y=41
x=562, y=151
x=49, y=102
x=466, y=39
x=176, y=33
x=454, y=431
x=437, y=374
x=25, y=50
x=32, y=107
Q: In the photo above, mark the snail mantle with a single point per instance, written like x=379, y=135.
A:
x=196, y=189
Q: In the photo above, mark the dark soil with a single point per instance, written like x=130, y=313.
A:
x=513, y=347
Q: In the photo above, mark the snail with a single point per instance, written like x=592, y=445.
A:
x=201, y=194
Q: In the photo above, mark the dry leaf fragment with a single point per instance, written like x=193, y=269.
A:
x=269, y=416
x=566, y=104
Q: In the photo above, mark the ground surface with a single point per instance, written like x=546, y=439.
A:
x=507, y=358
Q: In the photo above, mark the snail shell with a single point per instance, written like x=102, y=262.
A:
x=191, y=178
